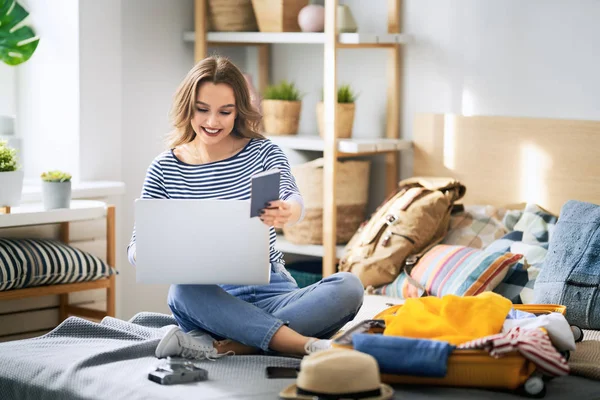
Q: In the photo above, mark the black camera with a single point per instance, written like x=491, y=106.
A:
x=177, y=370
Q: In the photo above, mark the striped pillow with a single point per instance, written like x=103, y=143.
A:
x=458, y=270
x=28, y=263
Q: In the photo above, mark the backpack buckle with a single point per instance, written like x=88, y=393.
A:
x=411, y=260
x=391, y=219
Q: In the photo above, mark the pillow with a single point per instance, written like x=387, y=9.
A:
x=532, y=229
x=476, y=227
x=37, y=262
x=458, y=270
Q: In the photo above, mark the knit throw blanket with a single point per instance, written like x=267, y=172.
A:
x=585, y=361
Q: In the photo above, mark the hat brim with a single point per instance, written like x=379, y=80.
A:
x=291, y=392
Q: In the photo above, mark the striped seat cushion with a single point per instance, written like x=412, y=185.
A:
x=458, y=270
x=28, y=263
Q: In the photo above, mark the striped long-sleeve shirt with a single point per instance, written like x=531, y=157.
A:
x=168, y=177
x=533, y=344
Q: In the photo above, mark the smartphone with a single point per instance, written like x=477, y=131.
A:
x=282, y=372
x=374, y=325
x=264, y=188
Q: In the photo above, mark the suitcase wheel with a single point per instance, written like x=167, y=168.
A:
x=534, y=387
x=577, y=333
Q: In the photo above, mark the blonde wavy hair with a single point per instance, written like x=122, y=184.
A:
x=215, y=69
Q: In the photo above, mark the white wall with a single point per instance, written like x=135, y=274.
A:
x=100, y=102
x=8, y=77
x=535, y=58
x=48, y=90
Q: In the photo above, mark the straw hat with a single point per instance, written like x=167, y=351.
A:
x=338, y=372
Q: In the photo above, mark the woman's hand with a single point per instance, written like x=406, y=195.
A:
x=277, y=213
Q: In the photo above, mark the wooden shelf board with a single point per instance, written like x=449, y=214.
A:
x=352, y=146
x=34, y=213
x=314, y=250
x=300, y=38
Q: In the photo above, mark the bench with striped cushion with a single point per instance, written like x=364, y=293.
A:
x=26, y=263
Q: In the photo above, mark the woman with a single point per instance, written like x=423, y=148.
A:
x=212, y=153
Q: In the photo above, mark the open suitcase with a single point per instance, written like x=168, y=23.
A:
x=471, y=368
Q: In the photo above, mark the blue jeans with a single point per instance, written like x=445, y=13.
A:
x=252, y=314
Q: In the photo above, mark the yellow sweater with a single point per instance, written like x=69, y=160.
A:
x=452, y=319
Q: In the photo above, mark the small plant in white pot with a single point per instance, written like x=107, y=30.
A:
x=56, y=189
x=281, y=107
x=346, y=98
x=11, y=177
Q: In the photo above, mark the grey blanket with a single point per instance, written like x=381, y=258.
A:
x=111, y=360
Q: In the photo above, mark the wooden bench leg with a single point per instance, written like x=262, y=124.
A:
x=63, y=309
x=111, y=259
x=110, y=298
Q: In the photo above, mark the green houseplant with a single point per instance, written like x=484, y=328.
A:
x=346, y=108
x=56, y=189
x=281, y=106
x=16, y=45
x=11, y=177
x=18, y=42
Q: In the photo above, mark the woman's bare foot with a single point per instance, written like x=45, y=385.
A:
x=239, y=349
x=286, y=340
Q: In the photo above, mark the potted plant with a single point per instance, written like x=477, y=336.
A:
x=56, y=189
x=11, y=177
x=18, y=42
x=17, y=45
x=281, y=107
x=346, y=108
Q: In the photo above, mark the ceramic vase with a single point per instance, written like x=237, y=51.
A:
x=11, y=187
x=312, y=18
x=56, y=195
x=345, y=20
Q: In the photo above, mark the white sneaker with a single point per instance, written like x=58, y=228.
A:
x=315, y=345
x=198, y=346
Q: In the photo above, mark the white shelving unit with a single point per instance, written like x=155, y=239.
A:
x=347, y=146
x=34, y=213
x=300, y=38
x=332, y=148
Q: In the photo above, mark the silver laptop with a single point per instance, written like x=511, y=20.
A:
x=200, y=242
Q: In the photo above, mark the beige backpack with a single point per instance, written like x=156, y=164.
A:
x=411, y=220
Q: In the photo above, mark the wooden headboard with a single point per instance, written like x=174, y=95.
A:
x=505, y=161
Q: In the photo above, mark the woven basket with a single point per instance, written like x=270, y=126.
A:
x=345, y=114
x=281, y=117
x=231, y=16
x=352, y=190
x=278, y=15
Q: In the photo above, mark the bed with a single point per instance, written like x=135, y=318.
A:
x=502, y=161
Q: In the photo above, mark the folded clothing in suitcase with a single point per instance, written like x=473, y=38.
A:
x=424, y=361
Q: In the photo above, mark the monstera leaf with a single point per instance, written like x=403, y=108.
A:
x=17, y=42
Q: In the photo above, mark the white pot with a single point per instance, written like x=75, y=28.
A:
x=11, y=187
x=56, y=195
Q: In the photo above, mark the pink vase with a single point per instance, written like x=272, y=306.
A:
x=312, y=18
